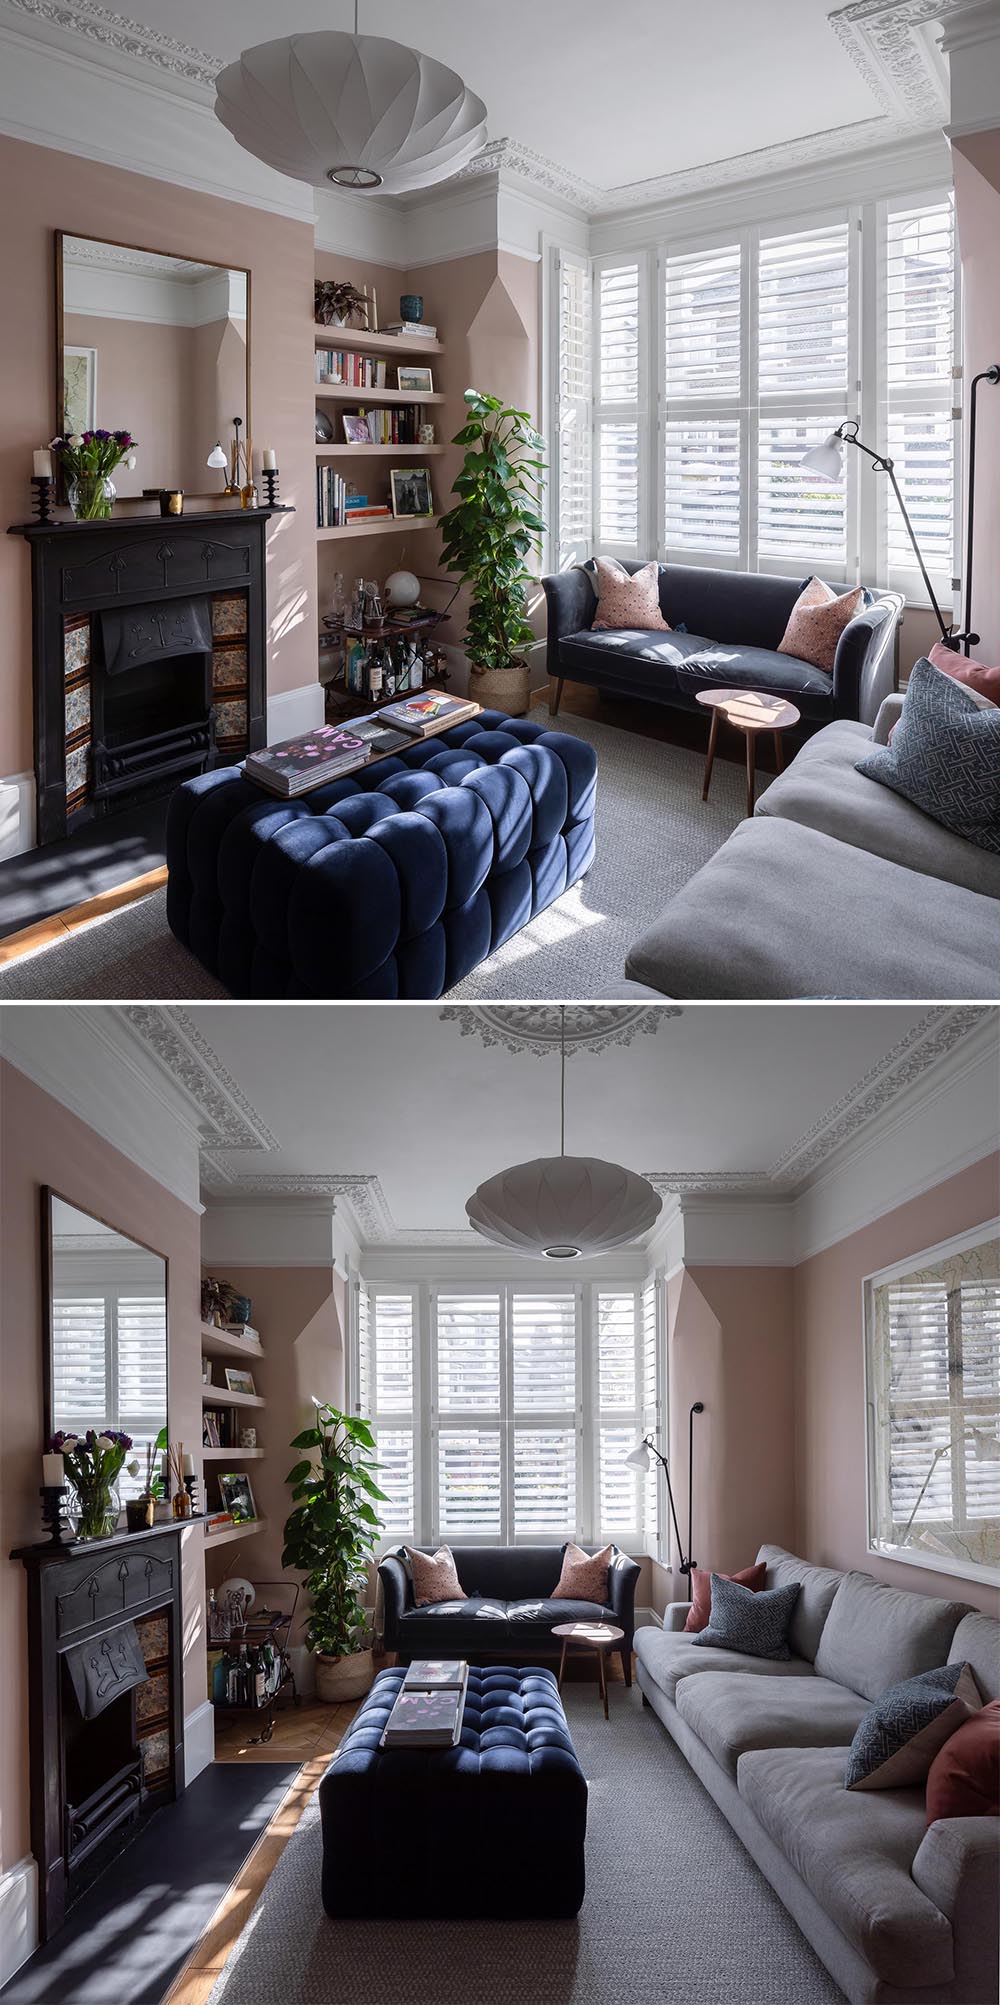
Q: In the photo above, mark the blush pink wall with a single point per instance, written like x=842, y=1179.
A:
x=300, y=1313
x=977, y=207
x=829, y=1427
x=146, y=379
x=42, y=1143
x=55, y=191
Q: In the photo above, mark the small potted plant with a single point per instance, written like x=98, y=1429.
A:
x=487, y=537
x=336, y=300
x=330, y=1536
x=93, y=1464
x=140, y=1512
x=88, y=459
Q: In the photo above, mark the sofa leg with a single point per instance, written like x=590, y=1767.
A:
x=626, y=1654
x=554, y=707
x=645, y=1701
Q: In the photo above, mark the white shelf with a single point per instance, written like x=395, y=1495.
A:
x=216, y=1395
x=231, y=1454
x=380, y=525
x=358, y=341
x=345, y=393
x=385, y=452
x=232, y=1532
x=220, y=1340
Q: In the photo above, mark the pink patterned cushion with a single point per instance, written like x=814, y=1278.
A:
x=816, y=622
x=975, y=674
x=435, y=1579
x=624, y=601
x=584, y=1575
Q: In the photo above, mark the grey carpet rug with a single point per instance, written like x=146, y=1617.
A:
x=653, y=832
x=675, y=1909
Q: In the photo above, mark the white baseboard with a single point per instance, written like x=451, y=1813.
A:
x=294, y=710
x=18, y=1916
x=199, y=1741
x=17, y=814
x=647, y=1618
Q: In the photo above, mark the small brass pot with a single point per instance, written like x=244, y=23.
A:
x=139, y=1513
x=171, y=501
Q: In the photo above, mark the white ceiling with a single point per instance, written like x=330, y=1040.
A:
x=421, y=1102
x=650, y=90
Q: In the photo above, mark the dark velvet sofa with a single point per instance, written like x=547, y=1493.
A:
x=509, y=1611
x=734, y=621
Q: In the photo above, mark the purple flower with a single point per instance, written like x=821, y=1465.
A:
x=98, y=435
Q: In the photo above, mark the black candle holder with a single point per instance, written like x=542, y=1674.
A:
x=42, y=496
x=52, y=1513
x=270, y=477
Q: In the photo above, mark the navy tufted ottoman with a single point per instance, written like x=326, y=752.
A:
x=494, y=1827
x=393, y=882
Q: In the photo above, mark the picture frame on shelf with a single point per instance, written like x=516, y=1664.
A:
x=210, y=1431
x=410, y=488
x=237, y=1497
x=238, y=1380
x=356, y=430
x=415, y=378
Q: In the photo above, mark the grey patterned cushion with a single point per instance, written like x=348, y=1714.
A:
x=944, y=757
x=757, y=1624
x=902, y=1732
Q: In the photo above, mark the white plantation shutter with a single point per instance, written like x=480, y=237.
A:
x=650, y=1419
x=109, y=1365
x=934, y=1366
x=393, y=1354
x=574, y=504
x=395, y=1475
x=388, y=1348
x=81, y=1360
x=543, y=1351
x=543, y=1345
x=918, y=345
x=363, y=1378
x=618, y=1370
x=544, y=1481
x=703, y=390
x=619, y=413
x=469, y=1486
x=702, y=485
x=703, y=326
x=468, y=1353
x=616, y=1351
x=803, y=356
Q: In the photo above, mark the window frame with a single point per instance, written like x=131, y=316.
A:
x=878, y=1503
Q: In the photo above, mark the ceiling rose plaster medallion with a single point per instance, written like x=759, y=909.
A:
x=538, y=1027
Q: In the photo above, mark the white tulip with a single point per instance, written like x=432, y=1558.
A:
x=76, y=438
x=130, y=462
x=104, y=1441
x=71, y=1441
x=132, y=1467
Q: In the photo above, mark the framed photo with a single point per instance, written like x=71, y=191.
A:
x=237, y=1497
x=210, y=1431
x=411, y=491
x=414, y=379
x=356, y=431
x=239, y=1381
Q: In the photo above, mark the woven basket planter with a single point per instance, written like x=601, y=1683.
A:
x=503, y=689
x=340, y=1678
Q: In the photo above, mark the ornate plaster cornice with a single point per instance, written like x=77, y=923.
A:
x=226, y=1117
x=538, y=1027
x=120, y=35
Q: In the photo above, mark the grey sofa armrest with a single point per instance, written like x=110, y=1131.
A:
x=395, y=1590
x=958, y=1867
x=675, y=1615
x=570, y=603
x=623, y=1576
x=864, y=666
x=890, y=711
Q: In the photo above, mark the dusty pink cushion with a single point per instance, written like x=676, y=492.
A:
x=584, y=1575
x=624, y=601
x=816, y=622
x=975, y=674
x=435, y=1579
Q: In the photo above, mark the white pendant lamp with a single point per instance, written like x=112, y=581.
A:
x=559, y=1207
x=357, y=110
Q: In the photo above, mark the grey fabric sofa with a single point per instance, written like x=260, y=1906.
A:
x=899, y=1913
x=734, y=621
x=837, y=887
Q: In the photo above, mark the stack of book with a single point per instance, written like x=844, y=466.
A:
x=341, y=365
x=429, y=1706
x=422, y=327
x=432, y=711
x=245, y=1331
x=299, y=764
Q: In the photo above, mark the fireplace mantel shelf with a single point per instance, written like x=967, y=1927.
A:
x=44, y=1551
x=119, y=523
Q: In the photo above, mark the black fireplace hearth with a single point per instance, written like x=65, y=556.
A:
x=149, y=653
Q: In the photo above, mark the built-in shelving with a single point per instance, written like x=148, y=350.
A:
x=231, y=1454
x=345, y=393
x=377, y=452
x=230, y=1533
x=358, y=340
x=380, y=525
x=214, y=1339
x=217, y=1395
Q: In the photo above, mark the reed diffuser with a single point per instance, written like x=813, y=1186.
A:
x=181, y=1501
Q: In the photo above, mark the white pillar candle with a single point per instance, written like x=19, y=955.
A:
x=188, y=1465
x=53, y=1472
x=42, y=463
x=269, y=460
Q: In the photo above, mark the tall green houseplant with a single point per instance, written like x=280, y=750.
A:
x=488, y=535
x=330, y=1536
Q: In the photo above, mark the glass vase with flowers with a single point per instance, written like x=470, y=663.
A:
x=88, y=459
x=93, y=1463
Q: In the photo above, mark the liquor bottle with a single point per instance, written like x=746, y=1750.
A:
x=375, y=674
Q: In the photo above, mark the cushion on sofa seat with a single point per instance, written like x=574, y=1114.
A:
x=690, y=662
x=822, y=788
x=732, y=1713
x=817, y=1587
x=545, y=1613
x=976, y=1642
x=667, y=1656
x=854, y=1854
x=876, y=1636
x=447, y=1626
x=782, y=911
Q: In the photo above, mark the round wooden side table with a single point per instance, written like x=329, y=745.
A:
x=751, y=711
x=597, y=1636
